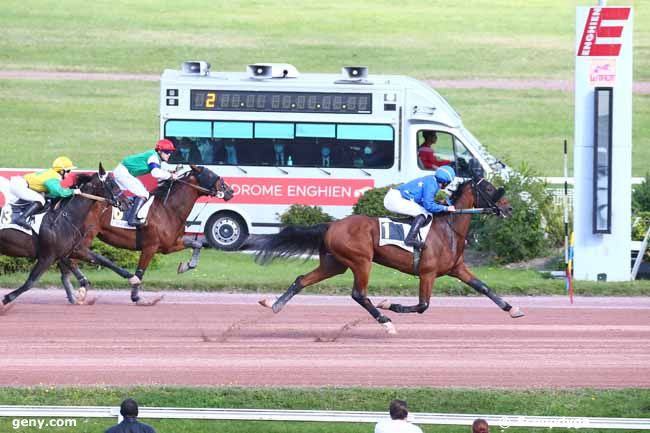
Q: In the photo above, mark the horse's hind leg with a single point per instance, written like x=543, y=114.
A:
x=360, y=295
x=327, y=268
x=194, y=261
x=463, y=274
x=37, y=270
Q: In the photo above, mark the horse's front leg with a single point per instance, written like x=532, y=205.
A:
x=463, y=274
x=136, y=283
x=426, y=286
x=66, y=267
x=194, y=261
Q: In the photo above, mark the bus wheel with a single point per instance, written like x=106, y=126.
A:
x=226, y=231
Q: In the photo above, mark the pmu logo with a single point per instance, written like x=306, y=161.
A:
x=595, y=30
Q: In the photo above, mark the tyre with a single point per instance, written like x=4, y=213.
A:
x=226, y=231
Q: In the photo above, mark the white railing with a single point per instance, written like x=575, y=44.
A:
x=323, y=416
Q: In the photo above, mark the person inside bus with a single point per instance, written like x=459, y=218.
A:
x=278, y=150
x=142, y=163
x=417, y=198
x=188, y=152
x=427, y=154
x=32, y=186
x=231, y=152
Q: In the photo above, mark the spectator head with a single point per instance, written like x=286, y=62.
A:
x=480, y=426
x=129, y=408
x=398, y=409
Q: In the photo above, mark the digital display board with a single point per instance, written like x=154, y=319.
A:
x=287, y=102
x=602, y=212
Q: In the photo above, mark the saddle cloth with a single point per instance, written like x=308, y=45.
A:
x=8, y=215
x=118, y=218
x=394, y=233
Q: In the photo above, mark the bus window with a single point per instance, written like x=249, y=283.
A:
x=366, y=146
x=436, y=149
x=186, y=135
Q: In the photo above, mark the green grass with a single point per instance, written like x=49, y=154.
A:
x=477, y=38
x=237, y=272
x=625, y=403
x=95, y=121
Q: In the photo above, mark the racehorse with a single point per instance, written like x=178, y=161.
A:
x=165, y=227
x=60, y=233
x=353, y=242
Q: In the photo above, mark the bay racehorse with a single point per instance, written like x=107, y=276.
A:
x=353, y=243
x=61, y=233
x=163, y=233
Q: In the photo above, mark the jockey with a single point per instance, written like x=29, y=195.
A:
x=417, y=198
x=142, y=163
x=32, y=186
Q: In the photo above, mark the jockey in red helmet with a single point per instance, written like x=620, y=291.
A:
x=132, y=166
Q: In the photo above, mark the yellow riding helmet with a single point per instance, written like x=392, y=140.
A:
x=62, y=163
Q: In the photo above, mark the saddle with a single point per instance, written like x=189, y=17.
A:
x=408, y=220
x=118, y=218
x=11, y=211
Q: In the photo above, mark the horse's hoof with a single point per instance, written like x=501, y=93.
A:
x=389, y=328
x=266, y=302
x=516, y=312
x=183, y=267
x=135, y=281
x=144, y=303
x=4, y=308
x=384, y=305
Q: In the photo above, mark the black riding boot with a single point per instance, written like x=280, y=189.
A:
x=32, y=209
x=412, y=237
x=132, y=217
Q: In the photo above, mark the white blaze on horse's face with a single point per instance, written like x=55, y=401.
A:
x=102, y=177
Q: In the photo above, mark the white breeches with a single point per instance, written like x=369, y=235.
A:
x=128, y=182
x=20, y=188
x=394, y=202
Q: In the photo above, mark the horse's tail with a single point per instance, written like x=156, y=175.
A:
x=290, y=242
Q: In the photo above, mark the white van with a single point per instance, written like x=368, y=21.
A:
x=282, y=138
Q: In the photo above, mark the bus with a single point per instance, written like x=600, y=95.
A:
x=281, y=138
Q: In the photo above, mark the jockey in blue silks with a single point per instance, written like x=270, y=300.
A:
x=417, y=198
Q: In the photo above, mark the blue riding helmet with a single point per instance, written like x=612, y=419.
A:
x=445, y=174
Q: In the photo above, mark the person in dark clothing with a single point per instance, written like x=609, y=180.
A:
x=129, y=410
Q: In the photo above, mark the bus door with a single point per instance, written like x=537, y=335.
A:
x=438, y=146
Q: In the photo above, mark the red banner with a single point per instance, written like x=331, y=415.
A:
x=270, y=190
x=595, y=30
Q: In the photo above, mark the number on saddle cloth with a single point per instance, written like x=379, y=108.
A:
x=393, y=231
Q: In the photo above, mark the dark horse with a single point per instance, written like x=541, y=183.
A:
x=353, y=243
x=165, y=227
x=61, y=232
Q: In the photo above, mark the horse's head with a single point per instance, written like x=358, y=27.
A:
x=102, y=184
x=488, y=196
x=211, y=183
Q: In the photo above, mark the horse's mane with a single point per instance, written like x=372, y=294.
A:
x=167, y=185
x=458, y=191
x=81, y=179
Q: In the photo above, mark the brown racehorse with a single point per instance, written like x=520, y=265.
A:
x=165, y=227
x=61, y=230
x=353, y=243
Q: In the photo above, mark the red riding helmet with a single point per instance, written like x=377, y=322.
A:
x=165, y=144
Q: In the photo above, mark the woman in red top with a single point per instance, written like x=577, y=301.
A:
x=426, y=153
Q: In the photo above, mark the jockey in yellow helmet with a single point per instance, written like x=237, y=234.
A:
x=33, y=186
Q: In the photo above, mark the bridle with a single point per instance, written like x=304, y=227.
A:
x=491, y=202
x=201, y=178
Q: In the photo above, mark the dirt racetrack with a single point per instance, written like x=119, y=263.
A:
x=227, y=339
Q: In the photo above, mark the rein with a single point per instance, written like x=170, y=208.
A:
x=197, y=187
